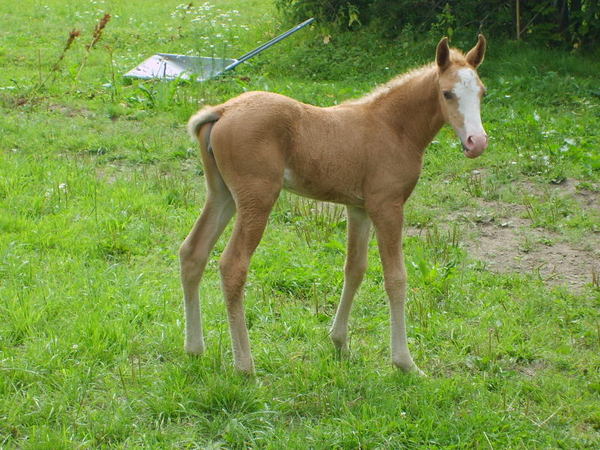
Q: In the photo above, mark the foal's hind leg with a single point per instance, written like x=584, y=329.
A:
x=254, y=205
x=194, y=254
x=196, y=248
x=359, y=227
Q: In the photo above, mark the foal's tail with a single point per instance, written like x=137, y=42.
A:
x=208, y=114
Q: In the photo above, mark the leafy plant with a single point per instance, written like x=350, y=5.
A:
x=574, y=23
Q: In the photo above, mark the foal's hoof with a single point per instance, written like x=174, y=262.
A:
x=341, y=348
x=409, y=368
x=245, y=368
x=194, y=349
x=416, y=371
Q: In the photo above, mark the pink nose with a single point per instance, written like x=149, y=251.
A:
x=475, y=145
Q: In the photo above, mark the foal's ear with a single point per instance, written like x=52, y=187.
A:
x=442, y=54
x=476, y=54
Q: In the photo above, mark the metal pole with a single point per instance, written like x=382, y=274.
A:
x=266, y=45
x=518, y=19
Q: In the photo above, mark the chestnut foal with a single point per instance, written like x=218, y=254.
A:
x=366, y=154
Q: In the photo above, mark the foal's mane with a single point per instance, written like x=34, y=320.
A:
x=404, y=80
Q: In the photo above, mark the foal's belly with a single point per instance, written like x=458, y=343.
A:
x=324, y=187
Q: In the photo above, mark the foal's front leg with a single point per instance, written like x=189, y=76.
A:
x=388, y=226
x=359, y=227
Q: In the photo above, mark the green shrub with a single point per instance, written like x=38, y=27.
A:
x=574, y=23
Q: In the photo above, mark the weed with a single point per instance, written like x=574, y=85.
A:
x=595, y=278
x=549, y=211
x=96, y=36
x=474, y=184
x=73, y=34
x=314, y=222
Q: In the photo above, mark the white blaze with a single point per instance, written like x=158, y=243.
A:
x=467, y=92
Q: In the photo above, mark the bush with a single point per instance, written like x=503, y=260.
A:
x=574, y=23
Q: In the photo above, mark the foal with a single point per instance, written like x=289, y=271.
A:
x=366, y=154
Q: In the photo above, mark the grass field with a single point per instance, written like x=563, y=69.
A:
x=99, y=184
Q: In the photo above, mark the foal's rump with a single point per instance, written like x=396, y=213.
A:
x=250, y=140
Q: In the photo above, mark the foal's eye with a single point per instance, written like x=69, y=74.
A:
x=448, y=95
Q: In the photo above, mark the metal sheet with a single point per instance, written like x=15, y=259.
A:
x=167, y=66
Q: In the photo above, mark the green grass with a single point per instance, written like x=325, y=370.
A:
x=99, y=184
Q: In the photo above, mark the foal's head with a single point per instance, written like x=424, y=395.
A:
x=460, y=94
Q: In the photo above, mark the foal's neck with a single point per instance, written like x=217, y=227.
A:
x=410, y=105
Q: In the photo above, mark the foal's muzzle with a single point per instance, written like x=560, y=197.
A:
x=475, y=145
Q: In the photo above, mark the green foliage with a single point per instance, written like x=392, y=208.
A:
x=343, y=13
x=574, y=23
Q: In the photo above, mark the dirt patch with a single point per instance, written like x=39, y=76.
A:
x=532, y=368
x=507, y=242
x=518, y=248
x=70, y=111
